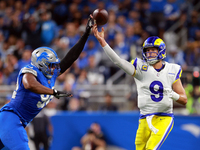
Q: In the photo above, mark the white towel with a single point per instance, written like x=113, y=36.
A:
x=149, y=121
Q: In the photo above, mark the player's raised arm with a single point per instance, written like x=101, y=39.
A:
x=121, y=63
x=76, y=50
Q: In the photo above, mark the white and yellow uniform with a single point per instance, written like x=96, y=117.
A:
x=154, y=99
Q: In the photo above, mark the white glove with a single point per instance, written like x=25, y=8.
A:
x=170, y=93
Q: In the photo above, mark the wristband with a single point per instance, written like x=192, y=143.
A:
x=175, y=96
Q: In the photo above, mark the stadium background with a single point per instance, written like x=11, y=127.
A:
x=27, y=24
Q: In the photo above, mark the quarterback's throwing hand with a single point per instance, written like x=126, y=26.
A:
x=59, y=94
x=99, y=35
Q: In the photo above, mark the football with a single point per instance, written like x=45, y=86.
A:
x=100, y=16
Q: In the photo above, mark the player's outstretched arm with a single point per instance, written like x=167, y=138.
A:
x=121, y=63
x=76, y=50
x=30, y=82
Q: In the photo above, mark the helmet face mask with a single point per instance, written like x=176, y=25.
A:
x=158, y=43
x=46, y=60
x=151, y=54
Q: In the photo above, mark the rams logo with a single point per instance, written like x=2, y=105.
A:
x=144, y=67
x=158, y=42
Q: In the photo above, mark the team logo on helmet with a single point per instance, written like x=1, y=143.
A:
x=46, y=60
x=44, y=55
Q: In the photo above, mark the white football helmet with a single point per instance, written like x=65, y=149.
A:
x=46, y=60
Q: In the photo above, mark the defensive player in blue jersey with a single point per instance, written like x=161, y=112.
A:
x=34, y=90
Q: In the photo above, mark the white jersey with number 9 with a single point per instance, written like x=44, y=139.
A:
x=151, y=85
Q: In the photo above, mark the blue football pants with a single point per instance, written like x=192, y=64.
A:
x=12, y=133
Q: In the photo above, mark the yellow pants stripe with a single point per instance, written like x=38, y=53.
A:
x=166, y=133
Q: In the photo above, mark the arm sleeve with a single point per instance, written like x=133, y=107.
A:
x=121, y=63
x=73, y=53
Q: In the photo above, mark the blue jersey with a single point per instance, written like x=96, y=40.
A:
x=25, y=103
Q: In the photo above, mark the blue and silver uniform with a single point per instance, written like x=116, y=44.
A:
x=25, y=103
x=22, y=108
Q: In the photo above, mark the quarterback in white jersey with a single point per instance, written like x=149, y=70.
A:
x=152, y=98
x=158, y=84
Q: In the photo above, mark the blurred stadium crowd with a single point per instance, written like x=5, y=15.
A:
x=28, y=24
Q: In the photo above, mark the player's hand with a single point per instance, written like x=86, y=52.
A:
x=99, y=35
x=168, y=92
x=90, y=24
x=59, y=94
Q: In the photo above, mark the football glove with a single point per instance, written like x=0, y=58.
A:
x=59, y=94
x=89, y=25
x=170, y=93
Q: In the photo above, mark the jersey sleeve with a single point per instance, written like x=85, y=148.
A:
x=29, y=69
x=178, y=71
x=137, y=63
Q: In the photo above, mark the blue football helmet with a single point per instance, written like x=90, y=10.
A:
x=154, y=41
x=46, y=60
